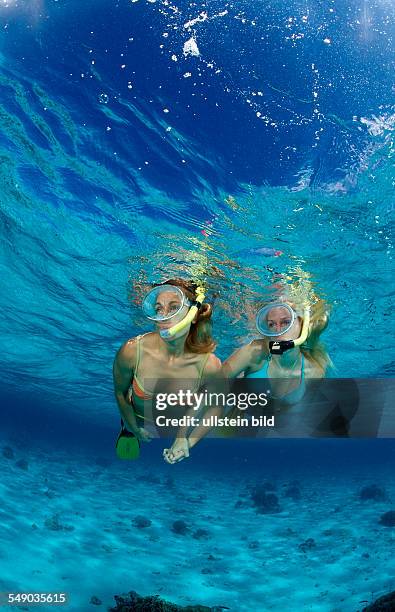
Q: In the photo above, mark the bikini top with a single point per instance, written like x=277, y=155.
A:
x=137, y=387
x=294, y=396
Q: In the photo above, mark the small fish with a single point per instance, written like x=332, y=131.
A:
x=265, y=251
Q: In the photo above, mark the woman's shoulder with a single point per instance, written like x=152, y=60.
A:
x=141, y=339
x=212, y=364
x=128, y=351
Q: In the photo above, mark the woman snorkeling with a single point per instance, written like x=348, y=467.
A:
x=289, y=350
x=180, y=348
x=288, y=353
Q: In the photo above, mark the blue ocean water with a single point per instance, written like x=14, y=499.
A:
x=142, y=140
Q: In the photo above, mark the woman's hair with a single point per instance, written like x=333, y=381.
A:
x=199, y=339
x=312, y=348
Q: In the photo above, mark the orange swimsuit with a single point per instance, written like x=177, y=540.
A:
x=136, y=386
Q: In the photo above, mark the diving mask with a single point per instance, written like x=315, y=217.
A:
x=169, y=303
x=164, y=302
x=276, y=319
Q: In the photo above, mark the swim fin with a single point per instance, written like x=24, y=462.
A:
x=127, y=445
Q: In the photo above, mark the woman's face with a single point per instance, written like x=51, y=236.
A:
x=167, y=304
x=278, y=319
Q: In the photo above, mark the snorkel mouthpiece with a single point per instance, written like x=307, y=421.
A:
x=169, y=333
x=279, y=347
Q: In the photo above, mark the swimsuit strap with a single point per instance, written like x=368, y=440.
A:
x=201, y=368
x=137, y=386
x=138, y=355
x=138, y=339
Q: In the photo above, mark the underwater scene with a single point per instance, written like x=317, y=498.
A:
x=197, y=203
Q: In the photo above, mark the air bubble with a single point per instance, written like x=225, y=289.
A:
x=191, y=48
x=103, y=98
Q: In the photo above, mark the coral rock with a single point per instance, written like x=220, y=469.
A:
x=372, y=492
x=180, y=528
x=265, y=503
x=8, y=453
x=141, y=522
x=307, y=545
x=133, y=602
x=388, y=519
x=386, y=603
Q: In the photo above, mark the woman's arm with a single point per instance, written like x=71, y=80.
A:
x=181, y=445
x=245, y=358
x=212, y=374
x=242, y=360
x=123, y=368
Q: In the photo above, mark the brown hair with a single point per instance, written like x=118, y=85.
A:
x=199, y=339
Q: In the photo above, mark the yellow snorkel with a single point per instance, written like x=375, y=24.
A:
x=187, y=320
x=305, y=327
x=279, y=347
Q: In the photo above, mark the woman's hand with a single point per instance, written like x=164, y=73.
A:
x=142, y=434
x=178, y=451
